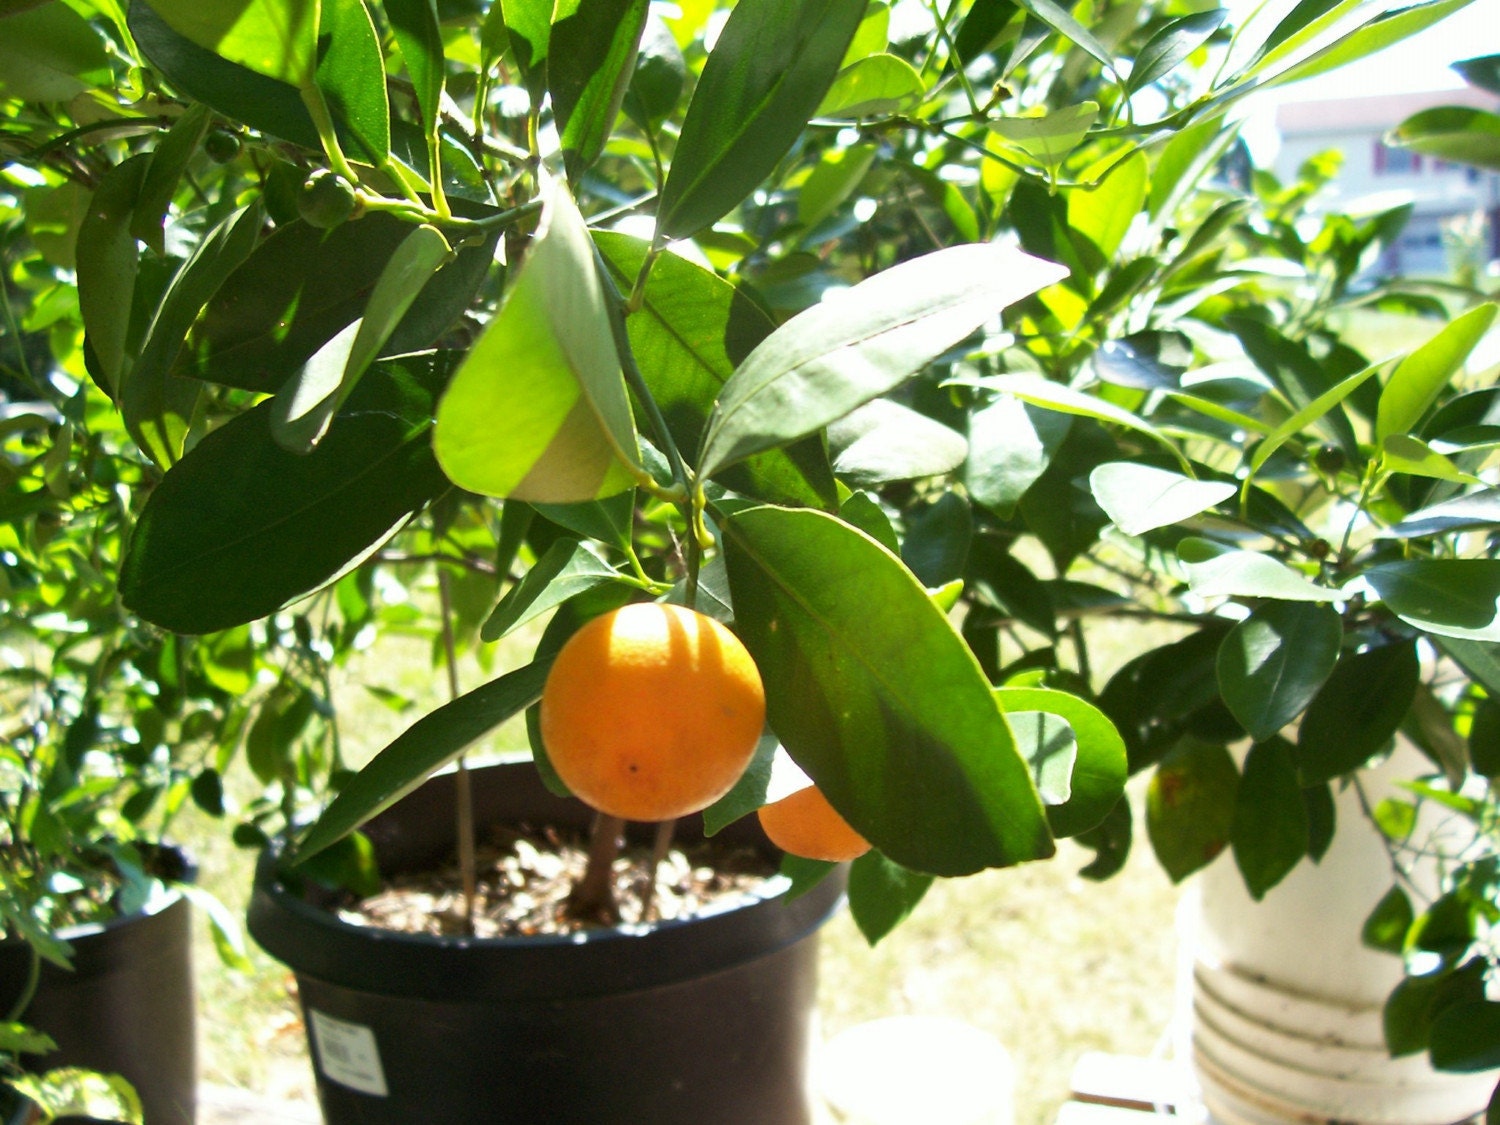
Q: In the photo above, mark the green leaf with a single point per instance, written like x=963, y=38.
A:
x=875, y=86
x=1214, y=572
x=889, y=713
x=157, y=405
x=660, y=74
x=1190, y=807
x=431, y=742
x=1420, y=377
x=851, y=348
x=883, y=894
x=1057, y=18
x=1461, y=134
x=864, y=512
x=75, y=1092
x=981, y=27
x=1271, y=665
x=1466, y=1037
x=1482, y=72
x=609, y=520
x=239, y=527
x=832, y=182
x=1357, y=711
x=770, y=68
x=1173, y=42
x=1450, y=597
x=275, y=38
x=419, y=37
x=1386, y=927
x=223, y=928
x=748, y=793
x=528, y=24
x=1269, y=833
x=1047, y=138
x=1306, y=384
x=17, y=1038
x=1401, y=453
x=267, y=104
x=1103, y=213
x=591, y=57
x=50, y=53
x=351, y=74
x=692, y=330
x=168, y=161
x=108, y=261
x=314, y=394
x=1385, y=30
x=538, y=410
x=1412, y=1007
x=1484, y=738
x=568, y=568
x=1097, y=781
x=1010, y=446
x=1139, y=498
x=1479, y=659
x=884, y=441
x=937, y=540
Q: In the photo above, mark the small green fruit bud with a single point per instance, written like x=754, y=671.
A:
x=326, y=199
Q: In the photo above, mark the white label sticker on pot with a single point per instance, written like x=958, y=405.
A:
x=347, y=1054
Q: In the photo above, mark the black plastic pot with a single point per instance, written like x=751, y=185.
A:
x=126, y=1008
x=678, y=1023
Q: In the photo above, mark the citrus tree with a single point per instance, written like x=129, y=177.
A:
x=813, y=316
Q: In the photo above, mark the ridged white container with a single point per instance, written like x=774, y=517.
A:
x=1287, y=1001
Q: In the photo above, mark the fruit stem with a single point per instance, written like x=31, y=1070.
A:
x=593, y=897
x=463, y=791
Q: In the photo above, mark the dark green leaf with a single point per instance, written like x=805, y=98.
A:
x=1172, y=43
x=568, y=568
x=1058, y=18
x=867, y=703
x=883, y=441
x=1190, y=806
x=1483, y=72
x=1300, y=377
x=692, y=330
x=1322, y=819
x=660, y=74
x=1466, y=1037
x=771, y=66
x=528, y=23
x=432, y=741
x=937, y=540
x=1110, y=842
x=1417, y=1001
x=749, y=792
x=1269, y=833
x=351, y=75
x=168, y=161
x=1003, y=581
x=108, y=262
x=1385, y=928
x=414, y=23
x=239, y=526
x=861, y=510
x=1422, y=375
x=1356, y=711
x=1458, y=133
x=1451, y=597
x=1476, y=509
x=50, y=53
x=1147, y=361
x=849, y=349
x=1484, y=738
x=1271, y=664
x=591, y=57
x=981, y=26
x=883, y=894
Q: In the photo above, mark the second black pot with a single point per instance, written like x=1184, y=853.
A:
x=678, y=1023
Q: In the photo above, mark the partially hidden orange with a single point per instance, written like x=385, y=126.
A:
x=652, y=711
x=805, y=824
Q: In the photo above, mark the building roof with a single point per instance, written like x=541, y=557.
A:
x=1380, y=111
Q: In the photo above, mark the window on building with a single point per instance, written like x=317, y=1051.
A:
x=1390, y=161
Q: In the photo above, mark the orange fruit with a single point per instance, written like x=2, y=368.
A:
x=652, y=711
x=804, y=823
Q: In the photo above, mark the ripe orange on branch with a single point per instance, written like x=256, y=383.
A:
x=805, y=824
x=652, y=711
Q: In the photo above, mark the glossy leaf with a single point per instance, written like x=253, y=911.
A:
x=876, y=86
x=859, y=344
x=50, y=53
x=692, y=330
x=1385, y=30
x=981, y=27
x=864, y=512
x=569, y=567
x=1103, y=214
x=867, y=703
x=1047, y=138
x=1316, y=411
x=1271, y=664
x=884, y=441
x=750, y=792
x=1356, y=711
x=168, y=161
x=1305, y=384
x=883, y=894
x=1386, y=926
x=769, y=70
x=1422, y=375
x=1461, y=134
x=108, y=262
x=156, y=404
x=1139, y=498
x=275, y=38
x=836, y=177
x=239, y=527
x=414, y=24
x=591, y=57
x=1190, y=807
x=313, y=395
x=528, y=25
x=1401, y=453
x=428, y=744
x=1097, y=780
x=1269, y=833
x=538, y=410
x=1055, y=16
x=1466, y=1037
x=1483, y=72
x=1412, y=1007
x=351, y=74
x=937, y=540
x=1450, y=597
x=1214, y=572
x=1171, y=45
x=1147, y=361
x=660, y=74
x=1010, y=446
